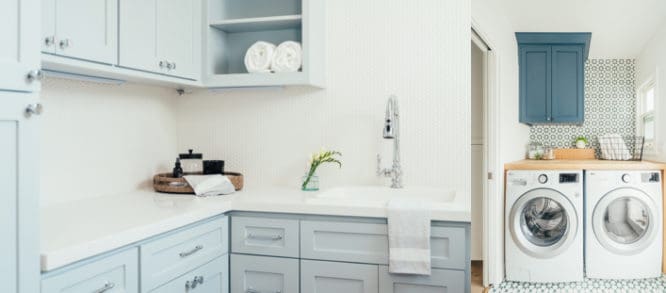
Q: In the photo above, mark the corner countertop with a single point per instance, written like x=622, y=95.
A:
x=583, y=164
x=77, y=230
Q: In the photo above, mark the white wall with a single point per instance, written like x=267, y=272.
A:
x=511, y=136
x=103, y=139
x=418, y=50
x=651, y=63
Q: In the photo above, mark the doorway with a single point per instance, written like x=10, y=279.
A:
x=482, y=143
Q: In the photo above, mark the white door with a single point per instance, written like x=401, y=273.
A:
x=138, y=35
x=543, y=223
x=179, y=36
x=625, y=221
x=335, y=277
x=19, y=49
x=87, y=29
x=19, y=178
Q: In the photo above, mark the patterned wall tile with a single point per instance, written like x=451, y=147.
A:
x=610, y=105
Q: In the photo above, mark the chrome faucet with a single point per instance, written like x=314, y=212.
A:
x=392, y=131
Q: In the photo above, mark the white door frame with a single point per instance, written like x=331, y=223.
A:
x=493, y=204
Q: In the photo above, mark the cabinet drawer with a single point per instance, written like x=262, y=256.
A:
x=438, y=281
x=212, y=277
x=448, y=247
x=175, y=254
x=336, y=277
x=344, y=241
x=266, y=236
x=250, y=274
x=368, y=243
x=115, y=273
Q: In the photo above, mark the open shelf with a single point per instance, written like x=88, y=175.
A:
x=258, y=23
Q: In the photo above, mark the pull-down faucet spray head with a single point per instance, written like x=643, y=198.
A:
x=391, y=114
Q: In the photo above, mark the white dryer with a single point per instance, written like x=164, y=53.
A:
x=544, y=226
x=623, y=224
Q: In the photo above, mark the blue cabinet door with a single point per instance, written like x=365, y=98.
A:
x=567, y=84
x=535, y=84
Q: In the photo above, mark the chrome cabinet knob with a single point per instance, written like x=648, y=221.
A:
x=170, y=65
x=34, y=75
x=162, y=64
x=34, y=109
x=64, y=44
x=49, y=41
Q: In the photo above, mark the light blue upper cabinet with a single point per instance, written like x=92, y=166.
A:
x=552, y=77
x=81, y=29
x=19, y=52
x=161, y=36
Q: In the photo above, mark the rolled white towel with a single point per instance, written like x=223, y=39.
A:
x=259, y=56
x=288, y=57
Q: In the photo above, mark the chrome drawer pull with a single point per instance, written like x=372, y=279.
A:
x=191, y=252
x=265, y=237
x=107, y=286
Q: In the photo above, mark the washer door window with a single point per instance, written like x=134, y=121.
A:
x=624, y=221
x=543, y=223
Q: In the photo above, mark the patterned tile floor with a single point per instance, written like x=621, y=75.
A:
x=657, y=285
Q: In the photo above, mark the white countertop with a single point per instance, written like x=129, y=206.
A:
x=77, y=230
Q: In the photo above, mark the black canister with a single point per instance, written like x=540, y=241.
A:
x=213, y=167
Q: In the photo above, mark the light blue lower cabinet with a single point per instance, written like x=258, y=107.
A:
x=337, y=277
x=116, y=273
x=439, y=281
x=263, y=274
x=212, y=277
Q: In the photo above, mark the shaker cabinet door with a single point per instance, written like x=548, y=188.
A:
x=535, y=84
x=19, y=52
x=567, y=88
x=87, y=29
x=19, y=199
x=161, y=36
x=263, y=274
x=335, y=277
x=438, y=281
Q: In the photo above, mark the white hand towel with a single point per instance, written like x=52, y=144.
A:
x=613, y=147
x=205, y=185
x=259, y=56
x=409, y=237
x=288, y=57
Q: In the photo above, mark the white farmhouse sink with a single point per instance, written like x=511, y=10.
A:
x=379, y=195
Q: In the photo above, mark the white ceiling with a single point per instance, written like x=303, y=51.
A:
x=620, y=28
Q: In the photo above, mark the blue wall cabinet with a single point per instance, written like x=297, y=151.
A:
x=552, y=77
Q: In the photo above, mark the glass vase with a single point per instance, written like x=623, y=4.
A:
x=311, y=184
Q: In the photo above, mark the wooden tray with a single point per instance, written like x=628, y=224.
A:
x=165, y=183
x=574, y=154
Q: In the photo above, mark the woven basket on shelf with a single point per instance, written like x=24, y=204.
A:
x=166, y=183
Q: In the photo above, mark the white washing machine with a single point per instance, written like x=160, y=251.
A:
x=623, y=224
x=544, y=226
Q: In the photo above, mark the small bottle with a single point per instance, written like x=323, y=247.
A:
x=177, y=170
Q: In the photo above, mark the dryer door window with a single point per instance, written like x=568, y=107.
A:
x=624, y=220
x=543, y=222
